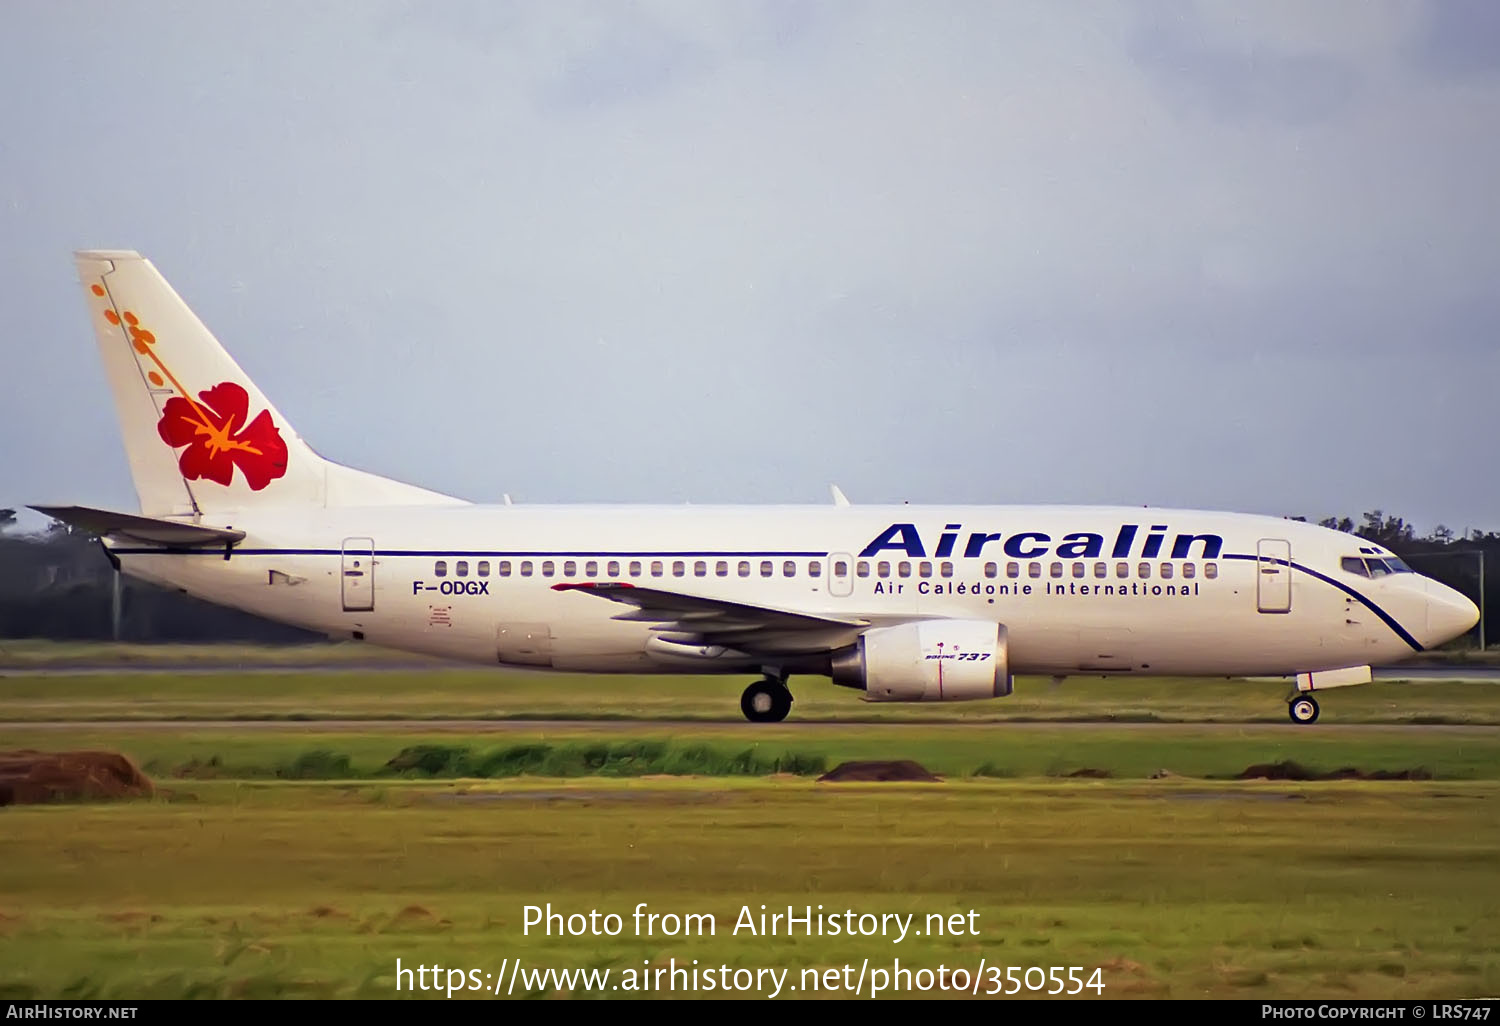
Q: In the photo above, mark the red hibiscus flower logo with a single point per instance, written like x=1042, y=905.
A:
x=211, y=430
x=217, y=438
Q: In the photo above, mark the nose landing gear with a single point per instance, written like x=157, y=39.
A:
x=766, y=701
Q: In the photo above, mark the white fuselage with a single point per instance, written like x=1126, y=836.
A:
x=1184, y=592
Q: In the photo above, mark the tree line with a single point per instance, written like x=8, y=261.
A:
x=59, y=584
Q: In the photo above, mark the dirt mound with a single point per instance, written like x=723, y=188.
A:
x=1096, y=774
x=1289, y=770
x=903, y=769
x=28, y=777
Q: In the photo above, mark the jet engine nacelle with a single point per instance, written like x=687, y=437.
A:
x=928, y=661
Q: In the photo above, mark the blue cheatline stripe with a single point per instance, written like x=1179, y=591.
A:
x=469, y=554
x=1390, y=621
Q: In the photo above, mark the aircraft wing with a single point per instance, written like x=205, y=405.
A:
x=710, y=621
x=134, y=527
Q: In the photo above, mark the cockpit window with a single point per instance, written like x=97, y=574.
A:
x=1371, y=566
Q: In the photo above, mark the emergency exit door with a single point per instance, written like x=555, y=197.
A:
x=1273, y=576
x=358, y=574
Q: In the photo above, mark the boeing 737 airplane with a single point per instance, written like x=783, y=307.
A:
x=905, y=603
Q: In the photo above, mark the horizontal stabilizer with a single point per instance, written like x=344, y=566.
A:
x=150, y=530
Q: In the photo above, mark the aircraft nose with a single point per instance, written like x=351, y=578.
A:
x=1449, y=613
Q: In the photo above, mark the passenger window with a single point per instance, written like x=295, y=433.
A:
x=1145, y=570
x=504, y=568
x=721, y=569
x=591, y=568
x=1078, y=569
x=841, y=569
x=789, y=569
x=883, y=569
x=946, y=569
x=814, y=568
x=1210, y=570
x=1166, y=570
x=1012, y=569
x=766, y=569
x=1188, y=570
x=992, y=569
x=1033, y=569
x=570, y=569
x=903, y=569
x=1101, y=570
x=700, y=568
x=1056, y=570
x=862, y=568
x=657, y=568
x=461, y=568
x=1122, y=570
x=613, y=569
x=744, y=568
x=924, y=569
x=635, y=568
x=525, y=568
x=440, y=568
x=679, y=568
x=548, y=568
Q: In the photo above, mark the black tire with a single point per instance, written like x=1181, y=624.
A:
x=766, y=701
x=1303, y=709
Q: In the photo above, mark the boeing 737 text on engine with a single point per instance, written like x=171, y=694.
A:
x=236, y=509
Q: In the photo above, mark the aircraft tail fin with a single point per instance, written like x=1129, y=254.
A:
x=201, y=438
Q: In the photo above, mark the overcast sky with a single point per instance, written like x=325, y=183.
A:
x=1227, y=255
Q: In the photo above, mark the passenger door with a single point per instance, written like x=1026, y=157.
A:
x=357, y=574
x=1273, y=576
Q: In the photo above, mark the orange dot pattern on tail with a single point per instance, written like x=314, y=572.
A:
x=140, y=337
x=154, y=378
x=111, y=317
x=98, y=290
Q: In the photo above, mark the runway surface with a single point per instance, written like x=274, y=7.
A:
x=747, y=729
x=1435, y=674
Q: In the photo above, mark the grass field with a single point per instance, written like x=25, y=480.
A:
x=446, y=693
x=1173, y=889
x=948, y=750
x=37, y=653
x=283, y=857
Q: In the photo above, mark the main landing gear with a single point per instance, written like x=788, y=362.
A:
x=1303, y=709
x=766, y=701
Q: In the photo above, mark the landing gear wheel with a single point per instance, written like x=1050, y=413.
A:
x=1303, y=709
x=766, y=701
